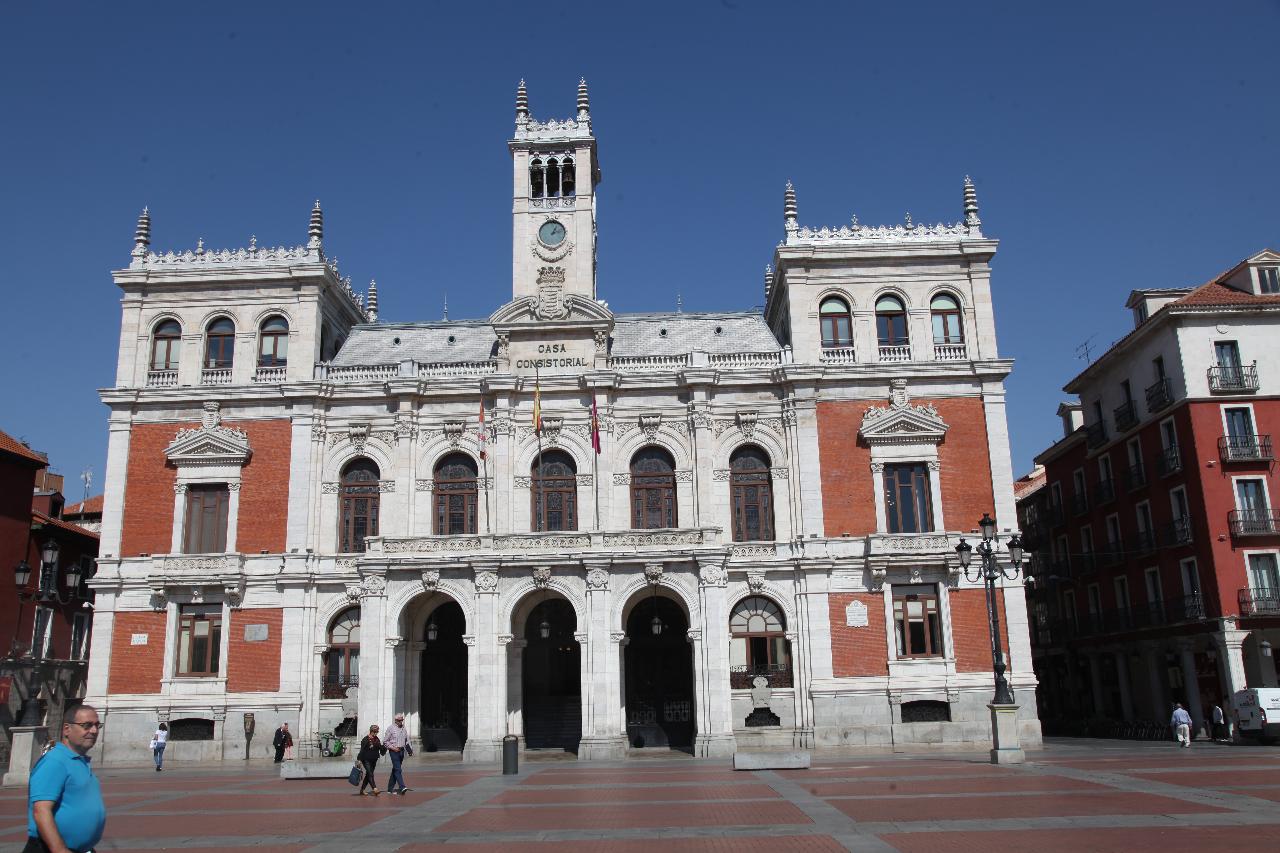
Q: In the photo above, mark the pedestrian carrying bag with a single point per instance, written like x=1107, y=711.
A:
x=356, y=776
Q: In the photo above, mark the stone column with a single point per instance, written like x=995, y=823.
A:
x=1095, y=684
x=515, y=686
x=1187, y=657
x=1158, y=701
x=1122, y=675
x=392, y=681
x=1230, y=642
x=715, y=724
x=313, y=690
x=413, y=688
x=25, y=745
x=487, y=673
x=601, y=736
x=703, y=462
x=373, y=637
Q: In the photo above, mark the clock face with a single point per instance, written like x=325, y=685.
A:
x=551, y=233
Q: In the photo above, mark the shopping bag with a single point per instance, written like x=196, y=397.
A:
x=356, y=776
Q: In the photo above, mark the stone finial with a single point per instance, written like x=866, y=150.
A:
x=789, y=208
x=971, y=219
x=372, y=311
x=142, y=236
x=315, y=231
x=522, y=102
x=584, y=102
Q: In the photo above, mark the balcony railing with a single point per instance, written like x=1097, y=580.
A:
x=1233, y=378
x=741, y=677
x=895, y=352
x=1080, y=504
x=335, y=687
x=1144, y=542
x=1169, y=461
x=1114, y=555
x=949, y=352
x=1177, y=532
x=1159, y=395
x=1259, y=601
x=1095, y=435
x=215, y=376
x=1135, y=477
x=1152, y=614
x=1104, y=492
x=838, y=355
x=162, y=378
x=1254, y=522
x=1245, y=448
x=274, y=373
x=1126, y=416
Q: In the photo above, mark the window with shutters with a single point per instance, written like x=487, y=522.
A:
x=359, y=495
x=455, y=494
x=555, y=492
x=206, y=519
x=751, y=494
x=653, y=489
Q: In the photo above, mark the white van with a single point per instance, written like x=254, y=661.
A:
x=1257, y=712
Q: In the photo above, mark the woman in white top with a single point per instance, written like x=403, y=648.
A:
x=158, y=741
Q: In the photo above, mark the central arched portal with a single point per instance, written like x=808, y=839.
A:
x=659, y=675
x=443, y=697
x=551, y=678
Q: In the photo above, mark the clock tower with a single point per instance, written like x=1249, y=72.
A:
x=553, y=208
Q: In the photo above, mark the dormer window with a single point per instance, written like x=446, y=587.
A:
x=1269, y=279
x=1139, y=314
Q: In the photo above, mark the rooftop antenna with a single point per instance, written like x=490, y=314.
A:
x=1085, y=350
x=86, y=477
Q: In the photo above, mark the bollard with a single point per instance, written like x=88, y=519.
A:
x=510, y=755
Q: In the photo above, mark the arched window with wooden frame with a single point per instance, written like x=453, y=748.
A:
x=166, y=342
x=758, y=643
x=342, y=660
x=455, y=494
x=945, y=311
x=273, y=342
x=653, y=489
x=358, y=495
x=555, y=492
x=891, y=322
x=836, y=322
x=751, y=494
x=219, y=344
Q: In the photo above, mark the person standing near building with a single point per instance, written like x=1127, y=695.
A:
x=397, y=743
x=1181, y=723
x=64, y=806
x=282, y=741
x=1219, y=723
x=370, y=749
x=159, y=741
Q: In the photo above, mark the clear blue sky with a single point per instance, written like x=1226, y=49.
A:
x=1114, y=145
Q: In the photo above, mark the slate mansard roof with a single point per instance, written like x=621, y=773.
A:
x=633, y=334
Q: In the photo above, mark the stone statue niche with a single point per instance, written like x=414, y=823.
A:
x=760, y=714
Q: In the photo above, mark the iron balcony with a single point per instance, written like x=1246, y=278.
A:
x=1233, y=378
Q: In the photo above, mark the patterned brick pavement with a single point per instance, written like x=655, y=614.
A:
x=1074, y=795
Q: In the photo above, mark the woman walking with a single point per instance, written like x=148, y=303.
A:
x=158, y=742
x=370, y=749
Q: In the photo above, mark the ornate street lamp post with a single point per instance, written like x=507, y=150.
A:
x=46, y=592
x=1004, y=731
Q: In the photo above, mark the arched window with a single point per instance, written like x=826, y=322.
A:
x=342, y=662
x=567, y=177
x=555, y=492
x=751, y=493
x=455, y=494
x=165, y=343
x=891, y=322
x=653, y=489
x=553, y=178
x=219, y=344
x=537, y=184
x=946, y=319
x=359, y=497
x=837, y=324
x=273, y=342
x=758, y=643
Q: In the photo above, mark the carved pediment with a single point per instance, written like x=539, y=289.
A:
x=555, y=307
x=210, y=443
x=900, y=422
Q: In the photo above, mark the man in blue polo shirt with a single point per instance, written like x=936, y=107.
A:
x=64, y=806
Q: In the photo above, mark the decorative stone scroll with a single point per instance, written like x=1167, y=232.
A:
x=744, y=551
x=653, y=573
x=431, y=580
x=755, y=583
x=650, y=424
x=598, y=580
x=541, y=577
x=712, y=574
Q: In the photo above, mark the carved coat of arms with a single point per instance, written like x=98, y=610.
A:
x=551, y=304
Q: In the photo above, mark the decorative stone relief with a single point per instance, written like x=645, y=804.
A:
x=597, y=579
x=329, y=488
x=158, y=600
x=617, y=636
x=916, y=574
x=233, y=486
x=699, y=420
x=755, y=583
x=345, y=564
x=935, y=464
x=541, y=577
x=179, y=488
x=653, y=573
x=684, y=476
x=754, y=551
x=580, y=636
x=780, y=473
x=622, y=479
x=424, y=485
x=386, y=485
x=505, y=639
x=486, y=581
x=650, y=424
x=319, y=649
x=640, y=539
x=405, y=428
x=602, y=342
x=712, y=574
x=393, y=642
x=720, y=475
x=524, y=482
x=877, y=467
x=431, y=580
x=584, y=479
x=469, y=639
x=747, y=422
x=210, y=443
x=693, y=635
x=358, y=434
x=425, y=545
x=878, y=577
x=551, y=429
x=453, y=432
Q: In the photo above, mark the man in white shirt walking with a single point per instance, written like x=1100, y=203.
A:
x=1181, y=723
x=396, y=740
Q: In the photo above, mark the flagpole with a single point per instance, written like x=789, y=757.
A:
x=484, y=464
x=537, y=432
x=595, y=456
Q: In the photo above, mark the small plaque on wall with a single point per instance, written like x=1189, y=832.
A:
x=255, y=633
x=138, y=640
x=855, y=615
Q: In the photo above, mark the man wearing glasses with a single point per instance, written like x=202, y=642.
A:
x=65, y=811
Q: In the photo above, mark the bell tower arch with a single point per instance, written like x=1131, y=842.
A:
x=553, y=206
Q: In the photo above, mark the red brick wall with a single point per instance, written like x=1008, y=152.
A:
x=264, y=491
x=969, y=632
x=137, y=669
x=858, y=651
x=254, y=666
x=848, y=498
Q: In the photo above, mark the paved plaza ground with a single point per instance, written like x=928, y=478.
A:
x=1074, y=795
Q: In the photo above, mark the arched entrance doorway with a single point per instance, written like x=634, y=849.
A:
x=442, y=705
x=551, y=678
x=659, y=675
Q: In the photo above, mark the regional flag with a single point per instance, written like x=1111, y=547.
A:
x=595, y=426
x=537, y=406
x=481, y=436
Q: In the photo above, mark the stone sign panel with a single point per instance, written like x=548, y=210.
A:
x=855, y=615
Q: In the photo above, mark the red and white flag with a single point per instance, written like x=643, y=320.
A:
x=595, y=426
x=482, y=435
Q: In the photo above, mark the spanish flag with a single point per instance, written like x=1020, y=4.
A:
x=537, y=406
